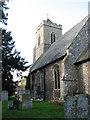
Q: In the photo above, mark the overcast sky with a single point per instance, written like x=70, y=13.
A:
x=25, y=16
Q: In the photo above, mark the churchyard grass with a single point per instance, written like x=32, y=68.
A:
x=38, y=110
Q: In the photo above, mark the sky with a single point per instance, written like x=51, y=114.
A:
x=24, y=16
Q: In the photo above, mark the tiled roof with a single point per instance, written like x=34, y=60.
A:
x=58, y=49
x=48, y=20
x=84, y=55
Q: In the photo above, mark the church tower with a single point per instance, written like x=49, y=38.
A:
x=46, y=34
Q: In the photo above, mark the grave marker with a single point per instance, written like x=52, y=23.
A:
x=4, y=96
x=76, y=106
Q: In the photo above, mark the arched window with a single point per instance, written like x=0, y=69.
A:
x=52, y=37
x=57, y=77
x=33, y=81
x=38, y=40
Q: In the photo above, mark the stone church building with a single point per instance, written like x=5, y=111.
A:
x=60, y=62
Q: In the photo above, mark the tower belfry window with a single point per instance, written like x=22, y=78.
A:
x=52, y=37
x=38, y=40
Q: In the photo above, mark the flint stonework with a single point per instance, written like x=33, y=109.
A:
x=70, y=52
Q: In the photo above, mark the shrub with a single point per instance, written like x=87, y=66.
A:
x=12, y=97
x=56, y=102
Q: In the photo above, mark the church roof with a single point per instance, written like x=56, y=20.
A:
x=84, y=55
x=58, y=49
x=49, y=21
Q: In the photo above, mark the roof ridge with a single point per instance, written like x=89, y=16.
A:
x=79, y=29
x=48, y=20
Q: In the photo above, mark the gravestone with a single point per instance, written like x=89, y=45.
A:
x=4, y=96
x=26, y=96
x=10, y=105
x=76, y=106
x=27, y=102
x=13, y=105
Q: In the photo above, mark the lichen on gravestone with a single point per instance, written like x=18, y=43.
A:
x=76, y=106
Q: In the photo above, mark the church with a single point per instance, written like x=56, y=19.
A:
x=60, y=62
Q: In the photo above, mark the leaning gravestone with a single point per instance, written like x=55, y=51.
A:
x=27, y=102
x=76, y=106
x=4, y=96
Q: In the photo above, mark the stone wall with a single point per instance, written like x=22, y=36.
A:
x=39, y=51
x=69, y=88
x=45, y=78
x=73, y=52
x=49, y=82
x=83, y=78
x=47, y=33
x=39, y=32
x=34, y=54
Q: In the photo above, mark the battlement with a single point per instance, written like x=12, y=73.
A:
x=46, y=34
x=50, y=24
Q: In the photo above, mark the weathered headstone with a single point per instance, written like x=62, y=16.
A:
x=26, y=96
x=4, y=96
x=13, y=105
x=27, y=102
x=76, y=106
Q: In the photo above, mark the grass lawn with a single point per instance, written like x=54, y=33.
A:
x=39, y=110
